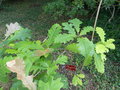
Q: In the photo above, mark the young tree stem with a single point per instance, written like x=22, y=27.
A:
x=96, y=19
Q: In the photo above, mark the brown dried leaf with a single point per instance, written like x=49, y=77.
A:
x=18, y=67
x=28, y=82
x=41, y=52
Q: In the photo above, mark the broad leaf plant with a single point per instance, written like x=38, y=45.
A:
x=34, y=64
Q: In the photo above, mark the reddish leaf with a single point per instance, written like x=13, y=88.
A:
x=70, y=67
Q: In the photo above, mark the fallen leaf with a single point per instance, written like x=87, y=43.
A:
x=18, y=67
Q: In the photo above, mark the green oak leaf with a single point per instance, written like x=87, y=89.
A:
x=99, y=63
x=109, y=44
x=100, y=48
x=76, y=23
x=68, y=27
x=76, y=81
x=73, y=47
x=52, y=34
x=101, y=33
x=86, y=48
x=86, y=30
x=64, y=38
x=62, y=59
x=22, y=34
x=51, y=84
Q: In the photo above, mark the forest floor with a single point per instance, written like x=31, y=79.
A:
x=30, y=14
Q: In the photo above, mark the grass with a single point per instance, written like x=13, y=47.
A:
x=29, y=14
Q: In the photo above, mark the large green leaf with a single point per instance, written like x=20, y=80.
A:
x=52, y=34
x=62, y=59
x=52, y=69
x=73, y=47
x=69, y=28
x=86, y=30
x=64, y=80
x=76, y=81
x=109, y=44
x=99, y=63
x=100, y=48
x=101, y=33
x=28, y=45
x=86, y=48
x=76, y=23
x=51, y=84
x=22, y=34
x=64, y=38
x=88, y=60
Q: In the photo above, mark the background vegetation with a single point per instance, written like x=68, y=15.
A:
x=39, y=15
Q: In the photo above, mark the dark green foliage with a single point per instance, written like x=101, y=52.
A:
x=55, y=8
x=73, y=8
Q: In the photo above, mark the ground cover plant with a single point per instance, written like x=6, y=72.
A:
x=24, y=59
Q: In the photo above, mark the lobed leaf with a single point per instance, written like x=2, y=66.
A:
x=76, y=23
x=86, y=48
x=69, y=28
x=73, y=47
x=86, y=30
x=62, y=59
x=64, y=38
x=28, y=45
x=22, y=34
x=76, y=81
x=101, y=33
x=109, y=44
x=100, y=48
x=52, y=34
x=51, y=84
x=99, y=63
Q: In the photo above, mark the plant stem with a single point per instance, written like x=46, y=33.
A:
x=96, y=19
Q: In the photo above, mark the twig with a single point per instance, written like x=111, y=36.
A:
x=112, y=16
x=113, y=13
x=96, y=18
x=37, y=74
x=93, y=14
